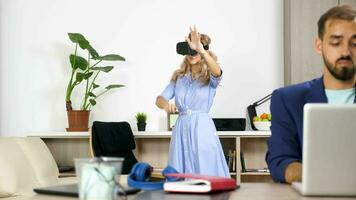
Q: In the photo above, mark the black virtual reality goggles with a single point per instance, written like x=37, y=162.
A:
x=183, y=48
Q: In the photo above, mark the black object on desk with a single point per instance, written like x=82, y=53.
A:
x=230, y=124
x=71, y=190
x=160, y=194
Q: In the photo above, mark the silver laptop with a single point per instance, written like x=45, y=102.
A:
x=329, y=150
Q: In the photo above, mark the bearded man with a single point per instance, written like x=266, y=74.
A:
x=336, y=43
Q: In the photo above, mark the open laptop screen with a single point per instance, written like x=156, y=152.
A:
x=329, y=150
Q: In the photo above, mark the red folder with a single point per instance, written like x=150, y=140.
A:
x=195, y=183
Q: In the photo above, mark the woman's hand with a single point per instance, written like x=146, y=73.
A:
x=171, y=108
x=194, y=40
x=195, y=44
x=164, y=104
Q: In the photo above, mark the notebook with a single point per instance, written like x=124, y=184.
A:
x=195, y=183
x=329, y=150
x=71, y=190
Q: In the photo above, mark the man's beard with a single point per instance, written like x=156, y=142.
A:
x=342, y=73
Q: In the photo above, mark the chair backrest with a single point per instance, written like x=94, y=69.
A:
x=114, y=139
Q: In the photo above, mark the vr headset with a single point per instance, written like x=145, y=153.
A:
x=183, y=48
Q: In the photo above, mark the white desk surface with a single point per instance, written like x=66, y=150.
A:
x=147, y=134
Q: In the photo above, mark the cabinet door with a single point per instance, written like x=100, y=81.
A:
x=302, y=63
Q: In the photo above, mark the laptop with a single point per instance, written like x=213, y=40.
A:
x=329, y=150
x=71, y=190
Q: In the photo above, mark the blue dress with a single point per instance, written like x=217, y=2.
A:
x=195, y=146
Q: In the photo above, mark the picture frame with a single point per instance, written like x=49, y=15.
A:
x=171, y=120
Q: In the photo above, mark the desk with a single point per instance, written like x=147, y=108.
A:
x=250, y=191
x=152, y=147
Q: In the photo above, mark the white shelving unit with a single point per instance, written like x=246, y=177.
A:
x=152, y=147
x=147, y=134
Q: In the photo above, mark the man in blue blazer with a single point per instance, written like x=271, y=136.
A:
x=336, y=43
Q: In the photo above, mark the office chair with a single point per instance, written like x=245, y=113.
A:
x=113, y=139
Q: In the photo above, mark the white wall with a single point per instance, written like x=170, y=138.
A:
x=246, y=35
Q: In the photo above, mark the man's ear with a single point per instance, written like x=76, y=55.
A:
x=318, y=45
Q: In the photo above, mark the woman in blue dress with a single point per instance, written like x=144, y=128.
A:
x=195, y=146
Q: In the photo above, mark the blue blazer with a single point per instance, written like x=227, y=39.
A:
x=286, y=142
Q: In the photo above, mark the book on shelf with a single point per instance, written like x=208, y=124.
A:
x=242, y=160
x=263, y=170
x=231, y=160
x=195, y=183
x=244, y=169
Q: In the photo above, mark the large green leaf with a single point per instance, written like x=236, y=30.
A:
x=88, y=75
x=79, y=77
x=79, y=39
x=92, y=52
x=92, y=102
x=110, y=57
x=76, y=37
x=114, y=86
x=79, y=62
x=103, y=69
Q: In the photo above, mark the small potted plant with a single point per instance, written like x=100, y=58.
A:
x=141, y=119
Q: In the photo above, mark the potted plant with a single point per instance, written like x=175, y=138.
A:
x=85, y=71
x=141, y=119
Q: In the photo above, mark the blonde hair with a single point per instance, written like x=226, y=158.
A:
x=204, y=72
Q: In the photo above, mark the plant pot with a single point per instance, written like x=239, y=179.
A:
x=141, y=126
x=78, y=120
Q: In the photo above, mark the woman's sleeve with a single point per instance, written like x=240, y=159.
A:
x=215, y=80
x=168, y=92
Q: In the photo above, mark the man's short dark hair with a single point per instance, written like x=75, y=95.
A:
x=344, y=12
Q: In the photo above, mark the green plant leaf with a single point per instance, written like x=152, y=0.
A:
x=91, y=94
x=141, y=117
x=103, y=69
x=92, y=52
x=88, y=75
x=92, y=102
x=76, y=37
x=79, y=77
x=80, y=62
x=79, y=39
x=95, y=86
x=110, y=57
x=114, y=86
